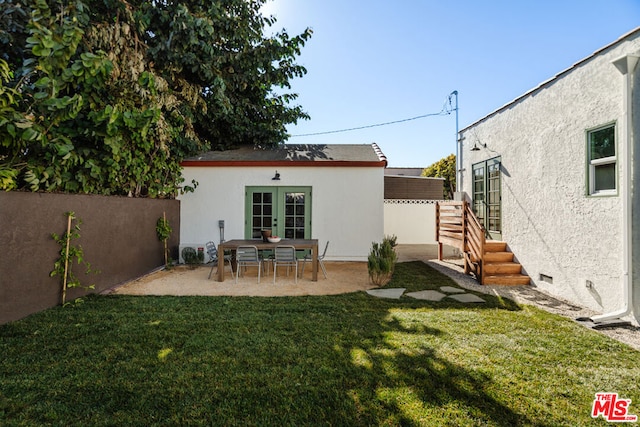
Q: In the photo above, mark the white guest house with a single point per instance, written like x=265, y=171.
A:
x=331, y=193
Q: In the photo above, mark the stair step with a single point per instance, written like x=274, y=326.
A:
x=495, y=246
x=497, y=268
x=498, y=256
x=507, y=279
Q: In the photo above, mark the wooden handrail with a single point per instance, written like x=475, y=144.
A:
x=458, y=226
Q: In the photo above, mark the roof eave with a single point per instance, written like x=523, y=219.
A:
x=282, y=163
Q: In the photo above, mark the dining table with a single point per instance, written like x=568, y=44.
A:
x=299, y=244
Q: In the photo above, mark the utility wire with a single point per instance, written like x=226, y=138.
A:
x=446, y=109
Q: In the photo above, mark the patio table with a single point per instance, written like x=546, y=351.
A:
x=261, y=245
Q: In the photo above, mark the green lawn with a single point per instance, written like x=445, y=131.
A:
x=335, y=360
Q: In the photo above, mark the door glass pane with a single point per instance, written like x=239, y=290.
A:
x=294, y=216
x=493, y=193
x=262, y=210
x=478, y=191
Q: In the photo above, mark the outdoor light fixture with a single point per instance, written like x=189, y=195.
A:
x=476, y=148
x=276, y=177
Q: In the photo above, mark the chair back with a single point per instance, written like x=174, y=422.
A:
x=285, y=254
x=325, y=249
x=212, y=251
x=247, y=254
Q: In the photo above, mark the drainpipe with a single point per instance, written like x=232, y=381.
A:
x=626, y=65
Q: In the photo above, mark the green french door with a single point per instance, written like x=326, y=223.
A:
x=286, y=211
x=487, y=196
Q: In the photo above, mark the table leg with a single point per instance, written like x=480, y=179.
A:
x=314, y=263
x=220, y=259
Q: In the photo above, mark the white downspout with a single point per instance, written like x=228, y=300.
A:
x=626, y=65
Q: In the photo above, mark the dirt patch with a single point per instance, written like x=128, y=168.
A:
x=342, y=277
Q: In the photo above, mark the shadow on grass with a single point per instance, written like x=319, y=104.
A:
x=335, y=360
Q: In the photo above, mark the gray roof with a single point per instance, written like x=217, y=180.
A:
x=293, y=154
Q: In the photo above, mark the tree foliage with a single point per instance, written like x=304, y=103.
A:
x=109, y=96
x=444, y=168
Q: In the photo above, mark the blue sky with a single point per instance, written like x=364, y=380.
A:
x=374, y=61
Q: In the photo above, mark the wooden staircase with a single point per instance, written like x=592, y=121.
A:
x=499, y=267
x=488, y=260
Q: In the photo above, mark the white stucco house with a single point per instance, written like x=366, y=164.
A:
x=331, y=193
x=554, y=174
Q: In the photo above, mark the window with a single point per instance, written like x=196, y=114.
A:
x=602, y=171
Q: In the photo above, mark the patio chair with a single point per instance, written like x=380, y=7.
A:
x=212, y=251
x=320, y=261
x=285, y=256
x=247, y=256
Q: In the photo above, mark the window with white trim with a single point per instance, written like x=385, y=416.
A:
x=602, y=166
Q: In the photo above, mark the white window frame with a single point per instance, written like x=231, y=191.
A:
x=603, y=161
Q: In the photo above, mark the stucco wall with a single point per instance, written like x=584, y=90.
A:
x=549, y=222
x=117, y=235
x=413, y=222
x=347, y=204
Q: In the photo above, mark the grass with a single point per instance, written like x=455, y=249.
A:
x=335, y=360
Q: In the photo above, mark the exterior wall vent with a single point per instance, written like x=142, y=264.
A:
x=546, y=278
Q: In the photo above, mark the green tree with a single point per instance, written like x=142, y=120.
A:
x=444, y=168
x=109, y=96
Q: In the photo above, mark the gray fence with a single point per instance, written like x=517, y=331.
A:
x=117, y=235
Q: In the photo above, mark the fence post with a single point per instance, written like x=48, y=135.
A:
x=438, y=231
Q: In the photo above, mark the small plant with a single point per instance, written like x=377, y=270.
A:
x=191, y=257
x=69, y=253
x=382, y=261
x=163, y=230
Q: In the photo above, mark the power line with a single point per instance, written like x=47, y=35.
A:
x=446, y=109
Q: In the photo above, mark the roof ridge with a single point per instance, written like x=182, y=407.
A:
x=379, y=153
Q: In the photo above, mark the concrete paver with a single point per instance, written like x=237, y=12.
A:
x=470, y=298
x=452, y=290
x=392, y=293
x=427, y=295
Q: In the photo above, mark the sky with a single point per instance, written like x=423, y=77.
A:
x=371, y=62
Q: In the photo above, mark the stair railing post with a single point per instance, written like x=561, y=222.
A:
x=464, y=237
x=483, y=239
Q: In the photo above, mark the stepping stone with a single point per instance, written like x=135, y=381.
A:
x=466, y=298
x=451, y=290
x=427, y=295
x=392, y=293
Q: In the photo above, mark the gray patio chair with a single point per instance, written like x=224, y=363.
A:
x=212, y=251
x=247, y=256
x=285, y=256
x=320, y=261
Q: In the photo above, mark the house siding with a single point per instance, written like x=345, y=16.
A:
x=548, y=220
x=347, y=204
x=400, y=187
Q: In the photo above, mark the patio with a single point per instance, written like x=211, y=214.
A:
x=343, y=277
